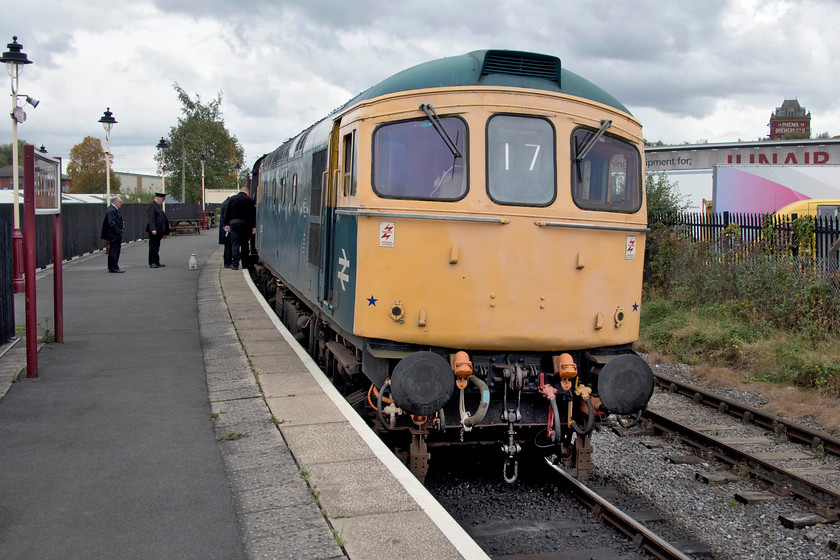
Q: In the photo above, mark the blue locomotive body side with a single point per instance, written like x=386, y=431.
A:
x=299, y=235
x=345, y=261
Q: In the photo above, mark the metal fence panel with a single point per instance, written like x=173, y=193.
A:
x=771, y=229
x=82, y=224
x=7, y=297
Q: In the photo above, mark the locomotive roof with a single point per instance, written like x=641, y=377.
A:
x=477, y=68
x=492, y=68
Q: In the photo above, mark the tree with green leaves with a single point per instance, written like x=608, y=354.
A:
x=87, y=168
x=6, y=153
x=663, y=196
x=201, y=130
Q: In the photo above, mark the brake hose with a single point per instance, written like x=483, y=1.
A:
x=557, y=427
x=590, y=423
x=385, y=425
x=467, y=420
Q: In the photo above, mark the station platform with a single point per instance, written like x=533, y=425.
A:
x=178, y=419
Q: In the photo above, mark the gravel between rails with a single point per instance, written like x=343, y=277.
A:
x=709, y=513
x=534, y=516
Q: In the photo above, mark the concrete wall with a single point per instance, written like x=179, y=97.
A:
x=692, y=165
x=140, y=183
x=692, y=157
x=217, y=196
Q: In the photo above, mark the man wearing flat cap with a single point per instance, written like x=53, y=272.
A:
x=157, y=227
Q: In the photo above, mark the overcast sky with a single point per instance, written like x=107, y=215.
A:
x=713, y=70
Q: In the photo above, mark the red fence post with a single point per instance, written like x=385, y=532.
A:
x=58, y=278
x=29, y=260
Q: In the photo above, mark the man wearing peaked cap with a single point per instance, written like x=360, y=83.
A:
x=112, y=230
x=157, y=227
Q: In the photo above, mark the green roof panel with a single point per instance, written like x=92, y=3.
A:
x=492, y=68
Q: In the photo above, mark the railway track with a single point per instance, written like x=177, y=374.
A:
x=721, y=427
x=768, y=468
x=748, y=415
x=786, y=458
x=782, y=482
x=646, y=540
x=549, y=514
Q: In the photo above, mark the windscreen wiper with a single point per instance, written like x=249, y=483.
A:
x=581, y=153
x=435, y=120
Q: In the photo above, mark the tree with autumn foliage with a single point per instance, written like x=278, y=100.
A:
x=87, y=168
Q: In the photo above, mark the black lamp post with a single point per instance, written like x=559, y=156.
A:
x=108, y=121
x=162, y=145
x=202, y=158
x=15, y=60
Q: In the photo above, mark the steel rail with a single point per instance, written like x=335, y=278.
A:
x=606, y=512
x=793, y=431
x=778, y=477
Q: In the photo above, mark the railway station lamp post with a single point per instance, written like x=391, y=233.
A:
x=202, y=158
x=108, y=122
x=162, y=145
x=15, y=59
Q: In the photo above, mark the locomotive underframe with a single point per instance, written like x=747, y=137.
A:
x=518, y=414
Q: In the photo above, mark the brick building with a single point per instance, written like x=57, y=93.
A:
x=790, y=121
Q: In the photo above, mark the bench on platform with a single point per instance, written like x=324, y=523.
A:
x=179, y=226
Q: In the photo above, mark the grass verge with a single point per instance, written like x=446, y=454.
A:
x=798, y=372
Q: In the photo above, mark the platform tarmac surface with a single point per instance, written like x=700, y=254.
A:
x=176, y=421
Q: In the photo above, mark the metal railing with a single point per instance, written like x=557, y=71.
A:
x=791, y=235
x=81, y=227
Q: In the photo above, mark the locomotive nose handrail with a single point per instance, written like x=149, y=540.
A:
x=592, y=226
x=373, y=214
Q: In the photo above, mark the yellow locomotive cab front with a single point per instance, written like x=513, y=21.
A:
x=484, y=270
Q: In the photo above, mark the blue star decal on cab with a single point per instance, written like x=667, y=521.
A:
x=635, y=307
x=372, y=301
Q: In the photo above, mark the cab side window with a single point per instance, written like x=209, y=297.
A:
x=412, y=160
x=609, y=176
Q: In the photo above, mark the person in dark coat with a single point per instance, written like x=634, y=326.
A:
x=157, y=227
x=224, y=235
x=112, y=230
x=240, y=220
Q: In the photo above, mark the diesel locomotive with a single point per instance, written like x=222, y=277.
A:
x=461, y=248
